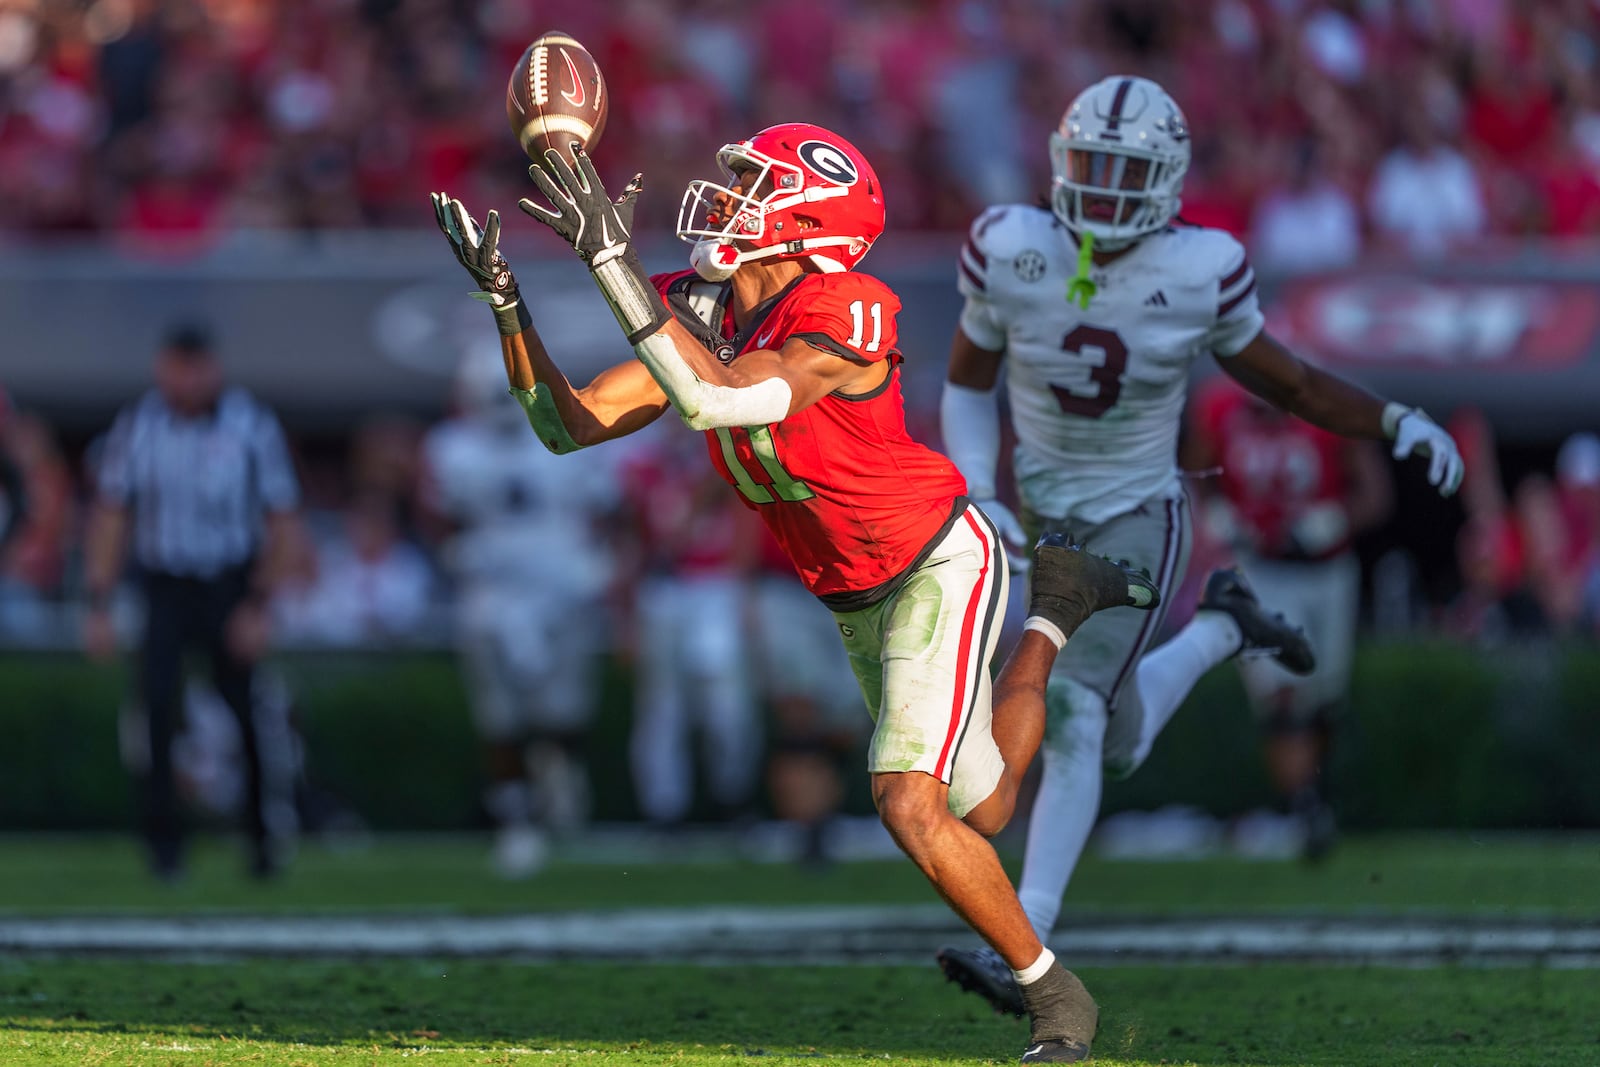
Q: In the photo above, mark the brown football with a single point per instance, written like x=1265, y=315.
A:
x=556, y=96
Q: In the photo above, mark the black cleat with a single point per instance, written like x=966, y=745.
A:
x=1064, y=1017
x=1268, y=631
x=1055, y=1052
x=1069, y=583
x=982, y=971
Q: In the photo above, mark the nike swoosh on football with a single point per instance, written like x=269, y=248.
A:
x=577, y=83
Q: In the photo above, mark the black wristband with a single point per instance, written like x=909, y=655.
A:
x=514, y=319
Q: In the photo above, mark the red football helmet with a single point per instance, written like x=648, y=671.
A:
x=791, y=173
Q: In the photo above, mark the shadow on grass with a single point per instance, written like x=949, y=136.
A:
x=1269, y=1016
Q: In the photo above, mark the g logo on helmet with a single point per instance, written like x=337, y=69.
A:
x=828, y=161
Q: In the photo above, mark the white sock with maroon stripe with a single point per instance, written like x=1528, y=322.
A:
x=1168, y=673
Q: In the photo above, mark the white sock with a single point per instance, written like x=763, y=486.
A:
x=1035, y=970
x=1067, y=804
x=1048, y=628
x=1168, y=673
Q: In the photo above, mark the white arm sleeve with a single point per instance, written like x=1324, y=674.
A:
x=703, y=406
x=980, y=323
x=970, y=421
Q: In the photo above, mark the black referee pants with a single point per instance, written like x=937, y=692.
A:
x=185, y=614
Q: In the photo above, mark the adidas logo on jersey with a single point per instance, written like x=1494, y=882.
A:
x=1157, y=299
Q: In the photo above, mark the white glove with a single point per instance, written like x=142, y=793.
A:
x=1012, y=537
x=1413, y=432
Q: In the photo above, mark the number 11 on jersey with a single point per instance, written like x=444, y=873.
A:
x=785, y=485
x=858, y=323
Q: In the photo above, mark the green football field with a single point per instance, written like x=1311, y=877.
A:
x=272, y=1011
x=469, y=1012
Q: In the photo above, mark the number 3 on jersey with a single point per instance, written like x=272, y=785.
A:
x=765, y=452
x=1107, y=358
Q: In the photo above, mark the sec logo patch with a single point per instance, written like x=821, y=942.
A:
x=1030, y=265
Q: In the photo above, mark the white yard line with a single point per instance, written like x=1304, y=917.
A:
x=811, y=935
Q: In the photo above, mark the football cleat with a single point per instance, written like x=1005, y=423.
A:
x=1227, y=591
x=983, y=972
x=1055, y=1052
x=1064, y=1017
x=1070, y=583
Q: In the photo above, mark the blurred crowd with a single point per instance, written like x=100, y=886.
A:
x=373, y=564
x=1322, y=127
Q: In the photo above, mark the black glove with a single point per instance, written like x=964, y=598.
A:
x=479, y=252
x=600, y=230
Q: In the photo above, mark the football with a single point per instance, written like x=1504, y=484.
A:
x=556, y=96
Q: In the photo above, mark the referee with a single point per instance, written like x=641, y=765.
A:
x=197, y=476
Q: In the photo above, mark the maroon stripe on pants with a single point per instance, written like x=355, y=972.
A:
x=1169, y=562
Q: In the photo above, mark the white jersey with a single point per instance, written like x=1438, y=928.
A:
x=1097, y=394
x=525, y=513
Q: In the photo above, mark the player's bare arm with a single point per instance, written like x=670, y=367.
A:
x=1272, y=372
x=810, y=372
x=619, y=401
x=971, y=365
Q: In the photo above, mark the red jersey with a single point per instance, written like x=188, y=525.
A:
x=849, y=496
x=1274, y=466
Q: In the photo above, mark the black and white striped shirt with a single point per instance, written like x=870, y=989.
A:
x=197, y=487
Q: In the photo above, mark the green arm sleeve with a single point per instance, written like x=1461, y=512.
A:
x=540, y=408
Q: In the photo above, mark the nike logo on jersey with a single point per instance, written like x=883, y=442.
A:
x=1157, y=299
x=761, y=342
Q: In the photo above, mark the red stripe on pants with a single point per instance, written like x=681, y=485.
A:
x=958, y=702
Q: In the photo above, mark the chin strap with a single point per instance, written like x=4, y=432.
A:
x=1081, y=290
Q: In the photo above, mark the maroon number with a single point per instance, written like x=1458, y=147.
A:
x=1107, y=357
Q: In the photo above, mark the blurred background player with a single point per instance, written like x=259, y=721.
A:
x=691, y=553
x=519, y=539
x=812, y=696
x=197, y=476
x=1289, y=498
x=1098, y=304
x=39, y=527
